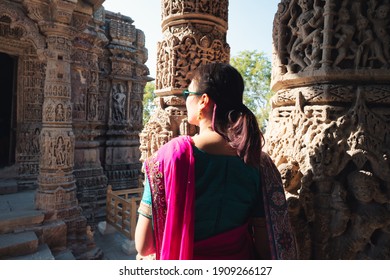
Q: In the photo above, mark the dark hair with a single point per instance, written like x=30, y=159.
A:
x=231, y=118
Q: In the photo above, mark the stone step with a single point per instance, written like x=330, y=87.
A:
x=19, y=220
x=65, y=255
x=18, y=244
x=43, y=253
x=8, y=186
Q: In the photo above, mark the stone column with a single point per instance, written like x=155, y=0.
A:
x=329, y=130
x=57, y=191
x=90, y=178
x=128, y=77
x=21, y=37
x=194, y=33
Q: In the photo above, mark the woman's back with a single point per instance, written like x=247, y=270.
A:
x=227, y=193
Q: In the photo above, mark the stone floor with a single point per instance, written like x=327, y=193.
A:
x=115, y=246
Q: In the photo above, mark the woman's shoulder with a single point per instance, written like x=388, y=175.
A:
x=176, y=151
x=175, y=148
x=182, y=140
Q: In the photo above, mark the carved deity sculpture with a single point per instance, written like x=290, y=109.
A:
x=119, y=99
x=328, y=132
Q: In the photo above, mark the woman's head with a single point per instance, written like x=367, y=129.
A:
x=224, y=86
x=222, y=82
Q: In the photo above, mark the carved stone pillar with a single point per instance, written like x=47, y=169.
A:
x=329, y=131
x=128, y=77
x=194, y=34
x=90, y=178
x=29, y=123
x=57, y=191
x=20, y=37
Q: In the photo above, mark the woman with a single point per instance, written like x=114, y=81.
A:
x=210, y=196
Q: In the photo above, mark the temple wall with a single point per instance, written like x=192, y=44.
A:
x=329, y=130
x=80, y=75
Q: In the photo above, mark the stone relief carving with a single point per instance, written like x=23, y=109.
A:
x=20, y=35
x=119, y=95
x=164, y=55
x=33, y=88
x=218, y=9
x=329, y=136
x=20, y=22
x=344, y=32
x=178, y=58
x=378, y=15
x=104, y=89
x=28, y=141
x=334, y=157
x=57, y=112
x=122, y=30
x=136, y=106
x=57, y=150
x=355, y=35
x=305, y=30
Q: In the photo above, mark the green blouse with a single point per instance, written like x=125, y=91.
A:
x=228, y=192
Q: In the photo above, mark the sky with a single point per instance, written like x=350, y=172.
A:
x=250, y=24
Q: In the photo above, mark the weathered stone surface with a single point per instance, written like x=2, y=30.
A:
x=104, y=228
x=43, y=253
x=329, y=128
x=17, y=220
x=8, y=187
x=53, y=234
x=64, y=255
x=12, y=245
x=128, y=247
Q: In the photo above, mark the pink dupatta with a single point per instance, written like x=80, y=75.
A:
x=171, y=173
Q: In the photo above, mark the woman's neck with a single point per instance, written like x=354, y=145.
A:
x=210, y=141
x=205, y=126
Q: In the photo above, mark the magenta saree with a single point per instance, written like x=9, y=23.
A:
x=235, y=244
x=171, y=174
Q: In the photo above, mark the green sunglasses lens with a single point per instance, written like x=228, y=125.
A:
x=186, y=93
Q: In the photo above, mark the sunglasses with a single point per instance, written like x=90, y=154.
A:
x=187, y=93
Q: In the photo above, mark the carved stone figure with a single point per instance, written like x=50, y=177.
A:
x=344, y=34
x=379, y=16
x=366, y=42
x=119, y=98
x=304, y=30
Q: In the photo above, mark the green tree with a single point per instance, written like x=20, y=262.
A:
x=148, y=103
x=255, y=68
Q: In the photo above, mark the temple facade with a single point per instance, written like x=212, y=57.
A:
x=329, y=130
x=72, y=81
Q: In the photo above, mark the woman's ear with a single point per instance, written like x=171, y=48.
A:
x=204, y=100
